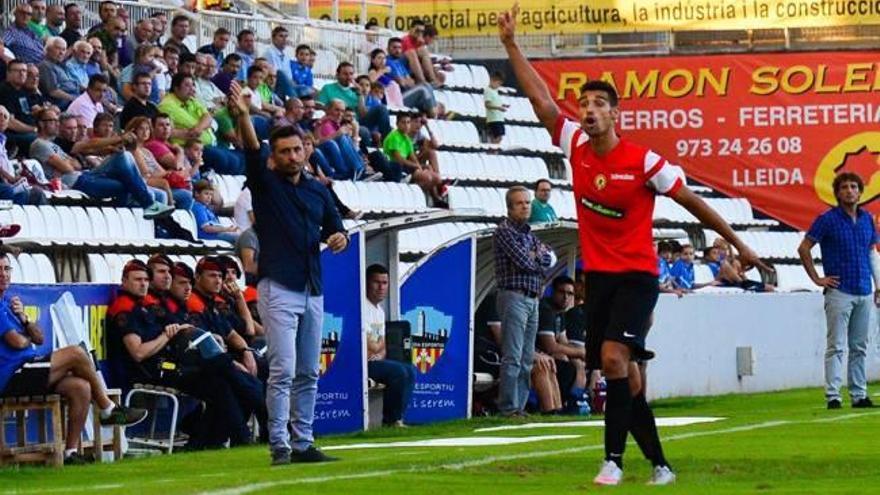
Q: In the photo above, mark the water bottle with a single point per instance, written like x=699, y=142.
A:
x=583, y=405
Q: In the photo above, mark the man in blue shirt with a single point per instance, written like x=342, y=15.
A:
x=849, y=243
x=29, y=367
x=276, y=55
x=294, y=215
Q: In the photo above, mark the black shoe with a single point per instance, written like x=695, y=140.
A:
x=311, y=454
x=124, y=416
x=835, y=404
x=280, y=457
x=863, y=403
x=76, y=459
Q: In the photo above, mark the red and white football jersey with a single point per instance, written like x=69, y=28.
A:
x=614, y=196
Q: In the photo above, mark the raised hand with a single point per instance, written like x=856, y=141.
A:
x=507, y=24
x=235, y=101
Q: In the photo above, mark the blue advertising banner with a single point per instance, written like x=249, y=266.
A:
x=436, y=299
x=340, y=403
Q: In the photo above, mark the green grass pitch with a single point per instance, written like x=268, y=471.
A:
x=782, y=442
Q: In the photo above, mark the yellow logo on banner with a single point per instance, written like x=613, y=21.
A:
x=860, y=147
x=460, y=18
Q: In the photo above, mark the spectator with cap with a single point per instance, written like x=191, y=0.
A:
x=30, y=368
x=218, y=45
x=151, y=343
x=542, y=211
x=117, y=178
x=72, y=24
x=398, y=378
x=20, y=39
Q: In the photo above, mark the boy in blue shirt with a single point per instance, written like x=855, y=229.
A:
x=301, y=72
x=208, y=223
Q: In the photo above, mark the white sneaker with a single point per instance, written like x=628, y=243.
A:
x=610, y=474
x=662, y=476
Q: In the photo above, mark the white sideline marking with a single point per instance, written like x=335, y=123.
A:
x=472, y=463
x=672, y=421
x=454, y=442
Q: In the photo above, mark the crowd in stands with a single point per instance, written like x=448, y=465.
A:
x=132, y=115
x=676, y=267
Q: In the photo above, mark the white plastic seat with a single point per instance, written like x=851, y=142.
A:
x=45, y=269
x=30, y=272
x=115, y=232
x=99, y=272
x=16, y=268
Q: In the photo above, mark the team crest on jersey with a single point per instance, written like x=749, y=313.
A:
x=330, y=335
x=429, y=337
x=600, y=181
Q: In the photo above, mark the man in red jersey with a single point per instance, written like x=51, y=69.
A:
x=615, y=183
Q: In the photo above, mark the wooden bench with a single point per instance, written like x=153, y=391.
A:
x=48, y=450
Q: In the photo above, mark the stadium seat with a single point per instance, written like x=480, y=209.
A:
x=99, y=271
x=28, y=269
x=45, y=269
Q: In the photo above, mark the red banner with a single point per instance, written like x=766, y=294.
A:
x=774, y=128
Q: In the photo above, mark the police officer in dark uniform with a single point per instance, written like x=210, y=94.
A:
x=155, y=349
x=203, y=310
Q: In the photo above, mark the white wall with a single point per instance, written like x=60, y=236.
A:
x=696, y=337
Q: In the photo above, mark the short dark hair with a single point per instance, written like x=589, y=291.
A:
x=96, y=79
x=302, y=46
x=416, y=22
x=847, y=177
x=282, y=133
x=186, y=58
x=376, y=269
x=178, y=79
x=69, y=6
x=178, y=19
x=371, y=23
x=15, y=61
x=664, y=247
x=202, y=185
x=362, y=76
x=376, y=52
x=540, y=181
x=232, y=57
x=343, y=65
x=160, y=115
x=103, y=117
x=253, y=69
x=600, y=85
x=243, y=33
x=221, y=30
x=431, y=30
x=497, y=75
x=141, y=75
x=105, y=2
x=561, y=280
x=170, y=48
x=279, y=29
x=394, y=40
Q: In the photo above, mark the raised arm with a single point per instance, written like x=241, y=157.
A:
x=239, y=109
x=530, y=82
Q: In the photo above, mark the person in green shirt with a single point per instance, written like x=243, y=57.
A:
x=38, y=13
x=542, y=212
x=193, y=121
x=399, y=148
x=375, y=117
